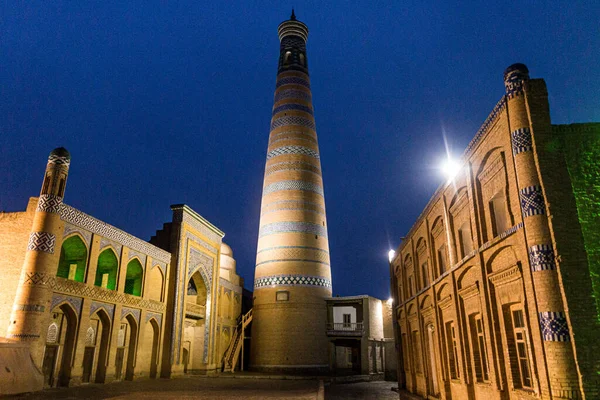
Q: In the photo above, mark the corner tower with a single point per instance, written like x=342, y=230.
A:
x=292, y=275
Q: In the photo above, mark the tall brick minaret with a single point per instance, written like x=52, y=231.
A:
x=292, y=276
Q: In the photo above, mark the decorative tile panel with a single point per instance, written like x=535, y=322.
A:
x=49, y=203
x=293, y=205
x=142, y=257
x=58, y=299
x=554, y=326
x=291, y=280
x=293, y=120
x=532, y=201
x=41, y=241
x=104, y=243
x=292, y=227
x=541, y=257
x=98, y=305
x=69, y=229
x=521, y=141
x=284, y=150
x=54, y=159
x=91, y=224
x=292, y=166
x=133, y=311
x=292, y=94
x=293, y=107
x=156, y=316
x=292, y=80
x=293, y=185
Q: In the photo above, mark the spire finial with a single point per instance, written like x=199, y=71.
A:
x=293, y=17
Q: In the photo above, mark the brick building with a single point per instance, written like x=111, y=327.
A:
x=495, y=280
x=92, y=303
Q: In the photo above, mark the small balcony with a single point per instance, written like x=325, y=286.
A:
x=345, y=329
x=195, y=311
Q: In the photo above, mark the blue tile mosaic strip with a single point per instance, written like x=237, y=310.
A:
x=292, y=227
x=291, y=280
x=532, y=201
x=521, y=141
x=554, y=326
x=292, y=107
x=293, y=120
x=541, y=257
x=305, y=151
x=292, y=94
x=292, y=80
x=293, y=185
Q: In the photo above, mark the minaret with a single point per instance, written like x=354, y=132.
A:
x=292, y=276
x=31, y=309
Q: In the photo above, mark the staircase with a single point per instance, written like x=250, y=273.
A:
x=232, y=354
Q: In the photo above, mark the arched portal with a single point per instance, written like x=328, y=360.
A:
x=195, y=320
x=132, y=346
x=60, y=345
x=134, y=278
x=106, y=272
x=73, y=259
x=102, y=333
x=154, y=339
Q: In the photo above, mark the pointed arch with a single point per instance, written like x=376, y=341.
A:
x=134, y=277
x=73, y=258
x=107, y=269
x=155, y=284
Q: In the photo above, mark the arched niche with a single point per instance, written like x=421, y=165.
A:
x=107, y=270
x=73, y=259
x=134, y=277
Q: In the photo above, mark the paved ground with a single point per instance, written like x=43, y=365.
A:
x=187, y=388
x=379, y=390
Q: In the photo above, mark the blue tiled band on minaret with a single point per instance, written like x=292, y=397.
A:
x=532, y=201
x=49, y=203
x=292, y=107
x=292, y=120
x=292, y=80
x=291, y=135
x=521, y=141
x=293, y=185
x=554, y=326
x=292, y=227
x=41, y=241
x=541, y=257
x=292, y=94
x=305, y=151
x=291, y=280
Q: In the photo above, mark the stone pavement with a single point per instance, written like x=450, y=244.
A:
x=187, y=388
x=378, y=390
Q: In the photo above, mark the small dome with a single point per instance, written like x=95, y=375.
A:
x=60, y=152
x=226, y=250
x=519, y=68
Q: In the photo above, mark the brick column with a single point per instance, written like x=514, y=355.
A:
x=31, y=310
x=562, y=375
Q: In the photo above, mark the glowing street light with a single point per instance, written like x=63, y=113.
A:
x=391, y=255
x=450, y=168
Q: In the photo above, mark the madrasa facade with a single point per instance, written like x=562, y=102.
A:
x=496, y=284
x=92, y=303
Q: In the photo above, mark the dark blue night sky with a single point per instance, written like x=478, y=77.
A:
x=170, y=102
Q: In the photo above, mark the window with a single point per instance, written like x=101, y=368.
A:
x=465, y=240
x=416, y=352
x=405, y=352
x=301, y=57
x=441, y=255
x=347, y=320
x=410, y=286
x=478, y=346
x=283, y=295
x=452, y=350
x=288, y=55
x=520, y=349
x=498, y=214
x=424, y=274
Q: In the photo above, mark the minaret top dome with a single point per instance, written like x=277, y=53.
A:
x=293, y=27
x=60, y=152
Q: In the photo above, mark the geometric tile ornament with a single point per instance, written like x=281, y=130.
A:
x=293, y=185
x=292, y=226
x=58, y=298
x=292, y=120
x=292, y=80
x=298, y=107
x=554, y=326
x=41, y=241
x=98, y=305
x=292, y=166
x=291, y=280
x=292, y=150
x=133, y=311
x=156, y=316
x=292, y=205
x=541, y=257
x=55, y=159
x=521, y=141
x=49, y=203
x=292, y=94
x=532, y=201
